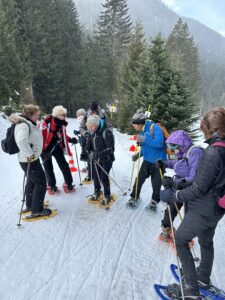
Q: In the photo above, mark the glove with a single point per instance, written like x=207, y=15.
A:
x=160, y=164
x=135, y=157
x=76, y=132
x=31, y=158
x=73, y=140
x=182, y=184
x=169, y=196
x=93, y=156
x=140, y=139
x=168, y=183
x=81, y=140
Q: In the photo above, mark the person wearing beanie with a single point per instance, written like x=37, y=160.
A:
x=29, y=140
x=100, y=147
x=150, y=138
x=56, y=143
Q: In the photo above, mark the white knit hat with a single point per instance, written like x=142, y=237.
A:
x=59, y=110
x=81, y=112
x=93, y=119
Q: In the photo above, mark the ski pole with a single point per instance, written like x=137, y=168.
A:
x=96, y=169
x=137, y=179
x=77, y=163
x=50, y=153
x=178, y=262
x=24, y=193
x=132, y=173
x=196, y=258
x=110, y=177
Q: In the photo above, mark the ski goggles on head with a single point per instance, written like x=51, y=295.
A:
x=173, y=147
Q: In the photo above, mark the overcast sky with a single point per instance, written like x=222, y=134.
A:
x=208, y=12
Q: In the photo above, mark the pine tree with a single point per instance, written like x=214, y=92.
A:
x=184, y=57
x=128, y=77
x=112, y=39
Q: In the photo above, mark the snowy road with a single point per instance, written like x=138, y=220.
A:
x=85, y=252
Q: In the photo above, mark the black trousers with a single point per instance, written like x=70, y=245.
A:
x=100, y=176
x=148, y=169
x=174, y=213
x=63, y=165
x=36, y=186
x=202, y=227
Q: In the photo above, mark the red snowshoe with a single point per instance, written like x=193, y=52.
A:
x=68, y=188
x=53, y=190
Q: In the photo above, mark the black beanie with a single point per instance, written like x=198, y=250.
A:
x=94, y=106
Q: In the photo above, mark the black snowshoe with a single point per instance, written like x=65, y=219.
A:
x=152, y=206
x=132, y=202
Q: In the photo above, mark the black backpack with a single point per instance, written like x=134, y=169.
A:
x=9, y=144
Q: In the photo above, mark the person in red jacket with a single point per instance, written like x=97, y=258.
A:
x=56, y=143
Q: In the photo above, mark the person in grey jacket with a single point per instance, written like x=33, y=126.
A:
x=29, y=140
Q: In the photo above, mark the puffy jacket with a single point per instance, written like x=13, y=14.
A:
x=28, y=138
x=202, y=195
x=153, y=147
x=102, y=141
x=53, y=130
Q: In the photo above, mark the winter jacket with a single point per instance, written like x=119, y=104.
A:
x=53, y=132
x=102, y=141
x=105, y=122
x=28, y=138
x=187, y=159
x=153, y=147
x=208, y=184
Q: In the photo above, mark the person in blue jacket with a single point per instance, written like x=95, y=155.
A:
x=151, y=140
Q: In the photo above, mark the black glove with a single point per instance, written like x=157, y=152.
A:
x=94, y=156
x=76, y=132
x=182, y=184
x=73, y=140
x=160, y=165
x=46, y=155
x=168, y=182
x=135, y=156
x=81, y=140
x=169, y=196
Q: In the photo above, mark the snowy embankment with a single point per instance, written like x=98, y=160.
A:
x=85, y=252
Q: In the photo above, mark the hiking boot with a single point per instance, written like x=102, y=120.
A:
x=87, y=179
x=190, y=293
x=26, y=210
x=152, y=206
x=166, y=234
x=106, y=200
x=45, y=212
x=96, y=196
x=132, y=202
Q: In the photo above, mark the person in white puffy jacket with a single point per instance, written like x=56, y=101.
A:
x=29, y=140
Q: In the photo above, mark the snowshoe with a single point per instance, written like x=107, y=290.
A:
x=53, y=190
x=87, y=180
x=97, y=196
x=44, y=214
x=152, y=206
x=28, y=209
x=133, y=203
x=190, y=293
x=68, y=188
x=166, y=235
x=107, y=202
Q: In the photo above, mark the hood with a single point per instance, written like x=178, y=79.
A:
x=180, y=137
x=15, y=119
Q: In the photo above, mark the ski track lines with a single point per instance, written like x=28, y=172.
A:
x=85, y=253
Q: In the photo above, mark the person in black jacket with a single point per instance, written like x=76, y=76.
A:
x=204, y=212
x=100, y=146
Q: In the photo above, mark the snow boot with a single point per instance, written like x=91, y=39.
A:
x=68, y=188
x=95, y=196
x=132, y=202
x=166, y=234
x=190, y=293
x=44, y=213
x=26, y=210
x=152, y=206
x=106, y=200
x=52, y=190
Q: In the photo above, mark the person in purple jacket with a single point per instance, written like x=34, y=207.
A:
x=185, y=166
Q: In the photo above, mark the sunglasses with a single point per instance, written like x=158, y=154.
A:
x=173, y=147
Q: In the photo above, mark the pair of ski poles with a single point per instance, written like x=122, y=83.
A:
x=132, y=173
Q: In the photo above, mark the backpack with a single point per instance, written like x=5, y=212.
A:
x=221, y=201
x=9, y=144
x=165, y=133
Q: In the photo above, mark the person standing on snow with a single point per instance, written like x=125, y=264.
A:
x=29, y=140
x=151, y=140
x=55, y=143
x=100, y=146
x=204, y=212
x=184, y=166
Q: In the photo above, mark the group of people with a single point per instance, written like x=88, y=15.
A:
x=198, y=182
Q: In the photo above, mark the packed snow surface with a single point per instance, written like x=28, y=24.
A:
x=85, y=252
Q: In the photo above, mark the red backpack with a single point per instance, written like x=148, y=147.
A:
x=221, y=201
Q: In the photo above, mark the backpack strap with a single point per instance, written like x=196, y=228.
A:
x=189, y=150
x=152, y=130
x=219, y=144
